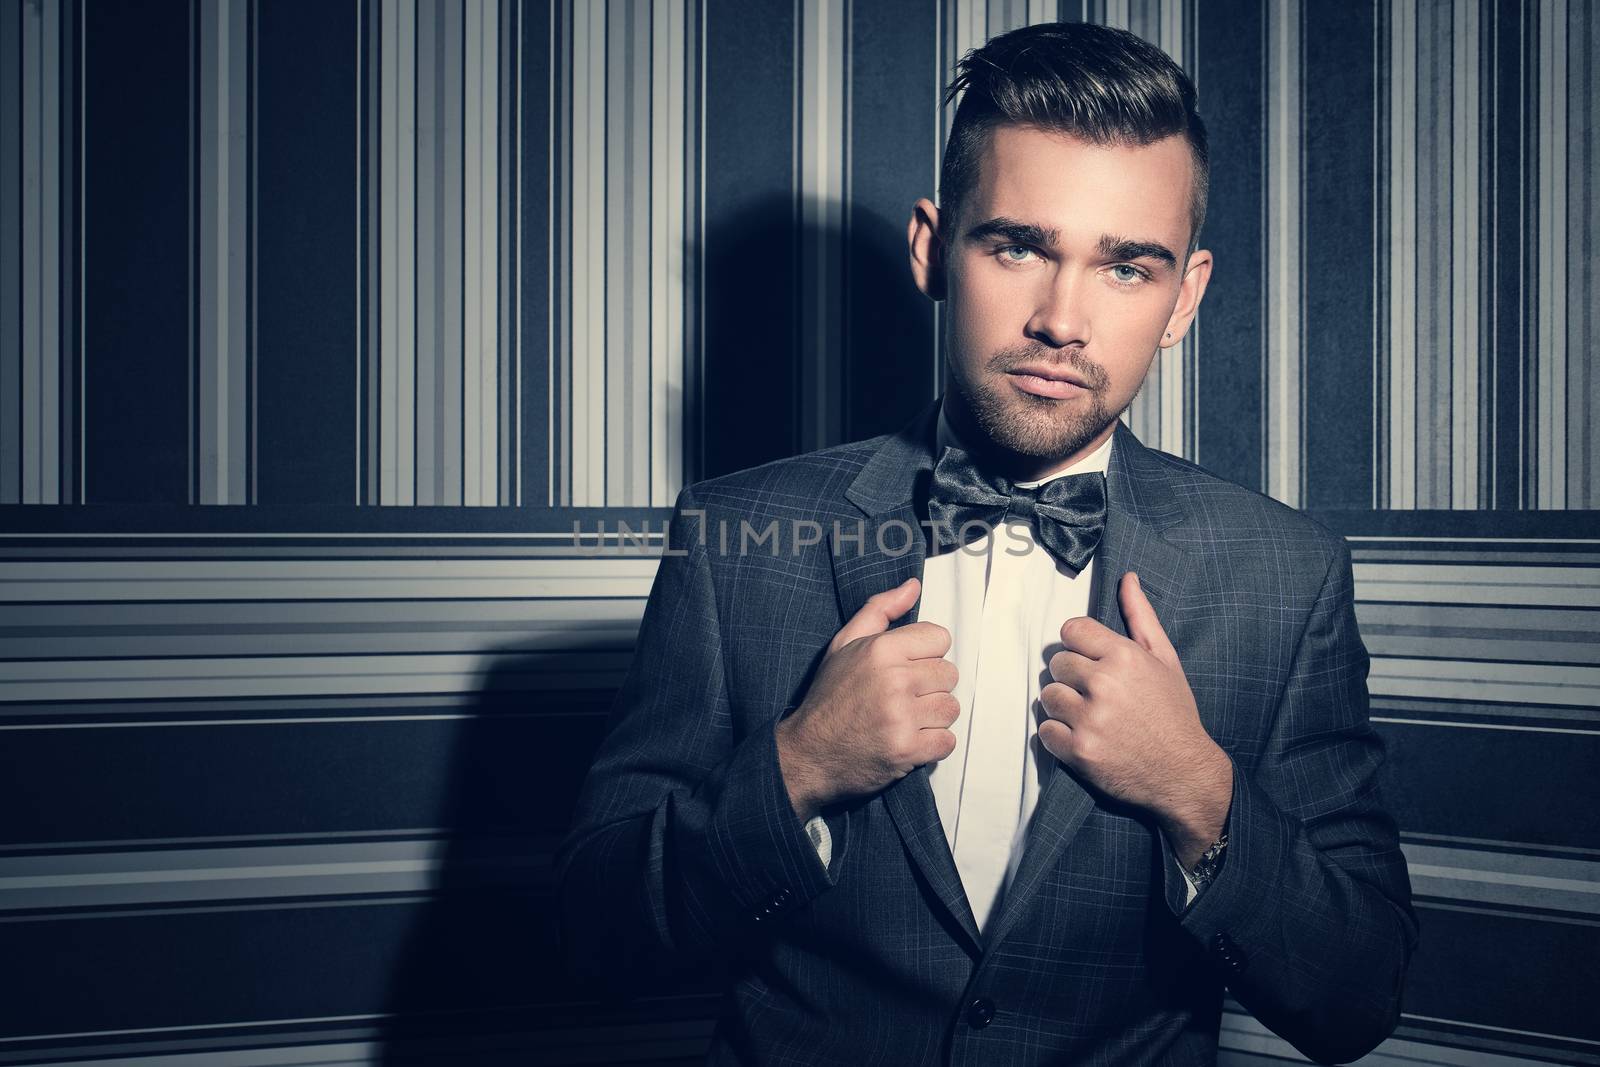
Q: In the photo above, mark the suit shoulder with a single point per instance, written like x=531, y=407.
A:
x=800, y=483
x=1227, y=509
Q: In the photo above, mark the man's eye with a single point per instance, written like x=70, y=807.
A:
x=1022, y=252
x=1127, y=273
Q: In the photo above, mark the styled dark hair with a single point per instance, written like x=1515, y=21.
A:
x=1099, y=84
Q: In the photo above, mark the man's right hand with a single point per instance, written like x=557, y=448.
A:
x=880, y=706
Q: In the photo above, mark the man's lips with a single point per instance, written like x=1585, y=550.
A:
x=1051, y=373
x=1054, y=382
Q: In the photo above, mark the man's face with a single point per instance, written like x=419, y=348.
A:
x=1063, y=274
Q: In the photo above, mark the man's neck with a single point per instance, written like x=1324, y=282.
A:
x=956, y=422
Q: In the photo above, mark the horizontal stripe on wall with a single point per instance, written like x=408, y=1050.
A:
x=1542, y=886
x=670, y=1031
x=477, y=769
x=1433, y=1042
x=294, y=681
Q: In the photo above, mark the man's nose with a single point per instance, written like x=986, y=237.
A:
x=1061, y=315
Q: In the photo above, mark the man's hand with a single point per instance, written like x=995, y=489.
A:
x=879, y=707
x=1122, y=716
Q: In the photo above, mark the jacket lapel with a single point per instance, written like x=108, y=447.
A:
x=889, y=491
x=1139, y=506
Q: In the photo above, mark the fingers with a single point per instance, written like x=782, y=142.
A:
x=918, y=640
x=878, y=612
x=1088, y=637
x=1143, y=625
x=1062, y=704
x=933, y=676
x=1056, y=737
x=935, y=710
x=1072, y=668
x=933, y=745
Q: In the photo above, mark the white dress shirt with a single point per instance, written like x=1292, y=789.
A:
x=1003, y=598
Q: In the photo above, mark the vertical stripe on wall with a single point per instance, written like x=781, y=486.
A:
x=1283, y=359
x=563, y=285
x=136, y=253
x=1549, y=451
x=427, y=111
x=508, y=265
x=623, y=234
x=1580, y=269
x=442, y=178
x=626, y=351
x=748, y=359
x=35, y=353
x=1162, y=415
x=888, y=323
x=674, y=203
x=1340, y=289
x=1432, y=361
x=1430, y=402
x=1400, y=353
x=1510, y=195
x=821, y=185
x=1229, y=65
x=1485, y=103
x=305, y=225
x=221, y=313
x=10, y=261
x=480, y=360
x=397, y=252
x=584, y=358
x=1464, y=309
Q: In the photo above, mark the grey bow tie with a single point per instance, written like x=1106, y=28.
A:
x=1069, y=513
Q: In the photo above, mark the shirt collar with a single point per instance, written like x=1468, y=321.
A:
x=1098, y=460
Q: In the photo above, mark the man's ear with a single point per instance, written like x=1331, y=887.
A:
x=927, y=249
x=1193, y=287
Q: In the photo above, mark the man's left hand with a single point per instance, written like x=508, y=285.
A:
x=1122, y=716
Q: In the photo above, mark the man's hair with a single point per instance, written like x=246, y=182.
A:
x=1102, y=85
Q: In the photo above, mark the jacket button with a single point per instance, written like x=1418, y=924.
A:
x=780, y=900
x=980, y=1013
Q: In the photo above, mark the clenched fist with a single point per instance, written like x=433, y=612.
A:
x=1121, y=714
x=879, y=707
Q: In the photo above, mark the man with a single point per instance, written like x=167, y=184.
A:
x=1054, y=736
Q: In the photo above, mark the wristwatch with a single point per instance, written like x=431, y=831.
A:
x=1205, y=869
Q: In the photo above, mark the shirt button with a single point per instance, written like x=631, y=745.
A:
x=980, y=1013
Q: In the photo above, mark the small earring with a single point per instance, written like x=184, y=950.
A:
x=1169, y=333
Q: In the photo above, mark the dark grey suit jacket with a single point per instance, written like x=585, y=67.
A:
x=686, y=856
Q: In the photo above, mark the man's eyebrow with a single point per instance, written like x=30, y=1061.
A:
x=1114, y=247
x=1023, y=233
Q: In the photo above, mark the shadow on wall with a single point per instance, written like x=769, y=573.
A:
x=479, y=978
x=753, y=349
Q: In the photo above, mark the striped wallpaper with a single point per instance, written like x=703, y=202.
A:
x=344, y=760
x=284, y=778
x=441, y=252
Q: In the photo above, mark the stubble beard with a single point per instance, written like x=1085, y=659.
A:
x=1037, y=427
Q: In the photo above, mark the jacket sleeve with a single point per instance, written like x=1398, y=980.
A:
x=1309, y=919
x=683, y=842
